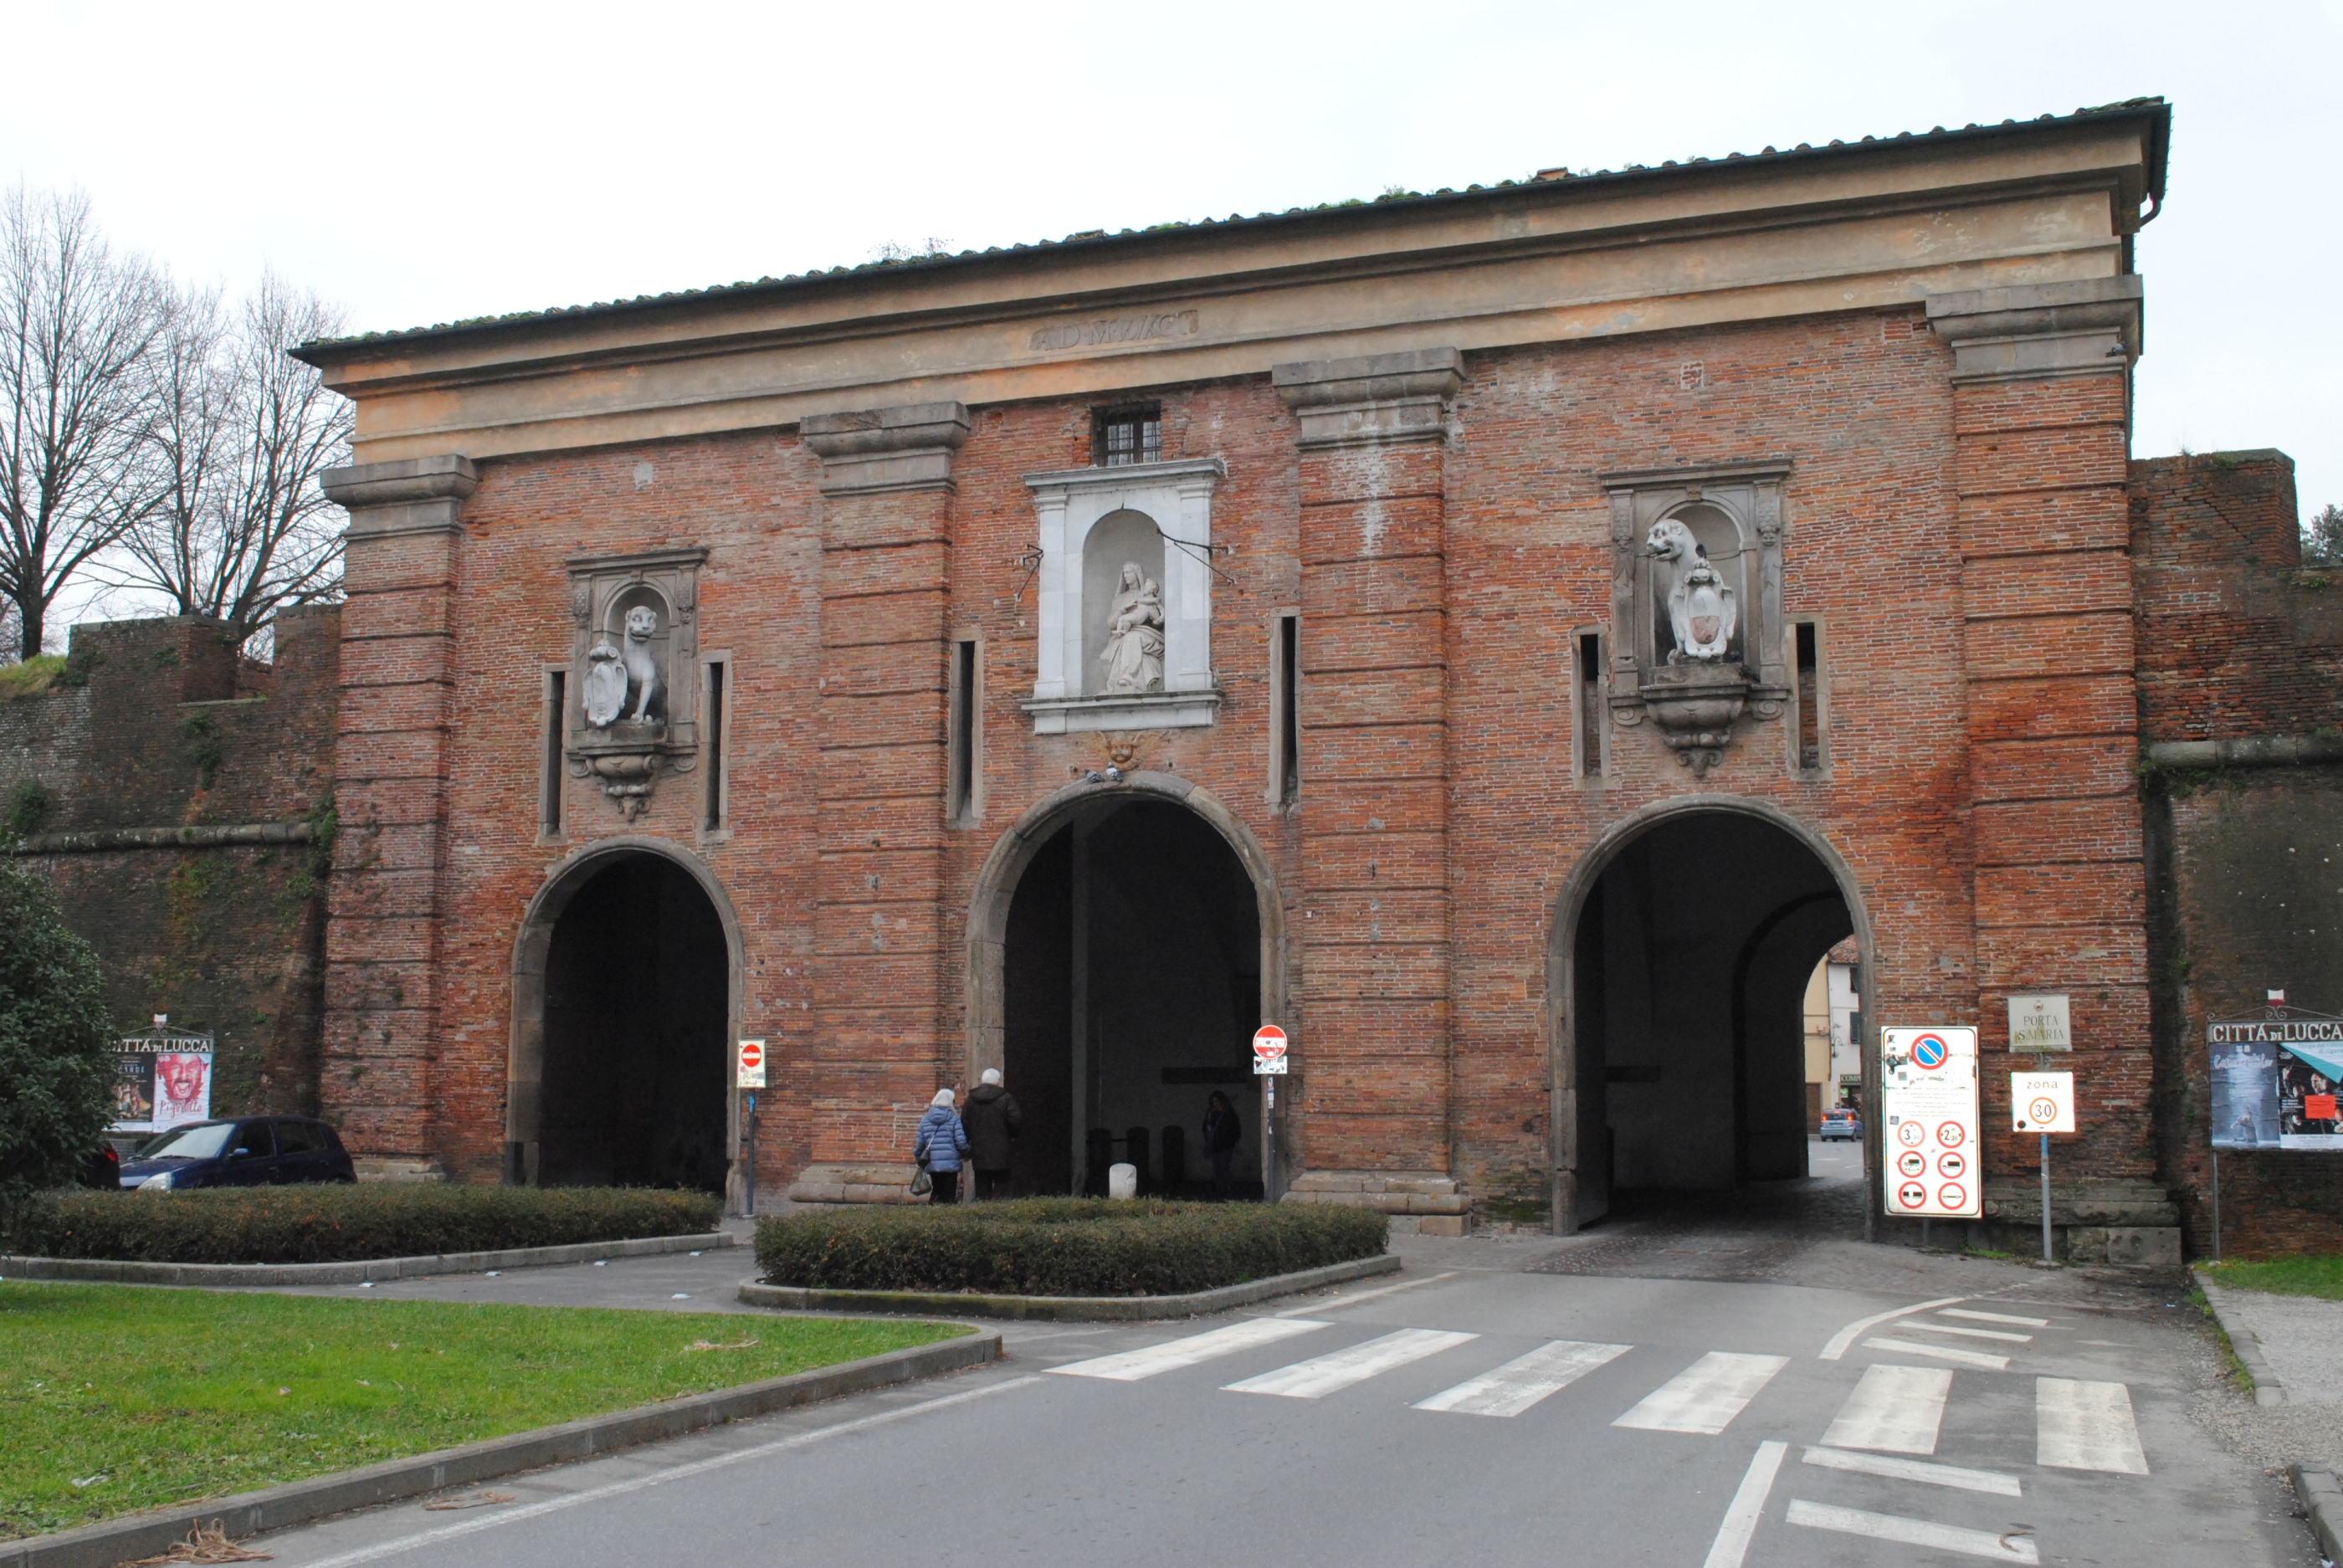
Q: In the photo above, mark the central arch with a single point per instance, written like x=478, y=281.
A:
x=1183, y=892
x=1680, y=948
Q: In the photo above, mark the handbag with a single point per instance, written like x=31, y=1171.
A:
x=921, y=1183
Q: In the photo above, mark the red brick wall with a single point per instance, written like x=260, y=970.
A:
x=1915, y=517
x=2238, y=642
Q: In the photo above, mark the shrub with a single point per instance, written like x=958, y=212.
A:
x=56, y=1063
x=1061, y=1246
x=334, y=1224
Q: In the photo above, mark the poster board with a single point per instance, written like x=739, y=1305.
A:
x=2275, y=1079
x=1928, y=1124
x=162, y=1079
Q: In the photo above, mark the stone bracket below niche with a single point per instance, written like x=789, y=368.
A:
x=1153, y=710
x=627, y=758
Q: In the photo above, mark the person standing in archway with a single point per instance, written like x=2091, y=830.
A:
x=942, y=1145
x=993, y=1121
x=1223, y=1133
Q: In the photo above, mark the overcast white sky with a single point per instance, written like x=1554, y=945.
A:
x=424, y=162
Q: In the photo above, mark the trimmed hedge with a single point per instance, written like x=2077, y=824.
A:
x=1061, y=1246
x=341, y=1224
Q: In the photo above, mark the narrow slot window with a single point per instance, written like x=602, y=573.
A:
x=1812, y=726
x=1590, y=705
x=714, y=783
x=548, y=784
x=967, y=766
x=1285, y=710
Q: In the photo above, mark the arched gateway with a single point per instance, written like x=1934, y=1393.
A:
x=626, y=985
x=1124, y=942
x=1681, y=946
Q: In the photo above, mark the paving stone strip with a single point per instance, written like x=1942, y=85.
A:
x=250, y=1512
x=119, y=1271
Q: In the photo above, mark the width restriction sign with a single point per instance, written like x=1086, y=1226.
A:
x=748, y=1072
x=1268, y=1050
x=1928, y=1108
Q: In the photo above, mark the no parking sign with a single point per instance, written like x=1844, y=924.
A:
x=1928, y=1103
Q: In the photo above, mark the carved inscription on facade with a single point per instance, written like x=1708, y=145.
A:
x=1124, y=329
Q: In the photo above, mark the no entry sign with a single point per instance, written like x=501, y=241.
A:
x=748, y=1072
x=1268, y=1050
x=1928, y=1102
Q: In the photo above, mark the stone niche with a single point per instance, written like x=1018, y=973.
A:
x=1126, y=596
x=634, y=687
x=1696, y=603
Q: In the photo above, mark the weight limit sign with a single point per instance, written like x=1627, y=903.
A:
x=1928, y=1110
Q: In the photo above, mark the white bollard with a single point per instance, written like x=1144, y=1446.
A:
x=1122, y=1181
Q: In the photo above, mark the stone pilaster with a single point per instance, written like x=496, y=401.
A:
x=2041, y=382
x=1374, y=1036
x=403, y=557
x=878, y=1049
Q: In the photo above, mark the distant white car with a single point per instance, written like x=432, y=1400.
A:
x=1841, y=1123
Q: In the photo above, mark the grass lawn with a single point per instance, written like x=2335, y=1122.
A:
x=2289, y=1276
x=115, y=1397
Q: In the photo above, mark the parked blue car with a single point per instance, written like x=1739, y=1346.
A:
x=250, y=1151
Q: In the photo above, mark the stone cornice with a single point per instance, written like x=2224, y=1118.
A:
x=2089, y=326
x=1373, y=399
x=885, y=451
x=1176, y=473
x=1877, y=226
x=406, y=496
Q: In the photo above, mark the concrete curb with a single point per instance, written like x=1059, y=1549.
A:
x=2322, y=1500
x=297, y=1503
x=1066, y=1309
x=2247, y=1349
x=115, y=1271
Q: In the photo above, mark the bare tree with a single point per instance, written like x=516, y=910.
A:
x=242, y=432
x=78, y=326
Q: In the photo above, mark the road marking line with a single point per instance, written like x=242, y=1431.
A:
x=1894, y=1408
x=1705, y=1396
x=1994, y=1318
x=2004, y=1335
x=1129, y=1366
x=1731, y=1543
x=2085, y=1426
x=1520, y=1383
x=1322, y=1375
x=1341, y=1302
x=1914, y=1531
x=1942, y=1353
x=1841, y=1342
x=642, y=1482
x=1916, y=1470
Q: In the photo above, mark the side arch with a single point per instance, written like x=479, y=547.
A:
x=1562, y=990
x=525, y=1054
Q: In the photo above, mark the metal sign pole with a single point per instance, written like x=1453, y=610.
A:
x=749, y=1207
x=2217, y=1205
x=2046, y=1197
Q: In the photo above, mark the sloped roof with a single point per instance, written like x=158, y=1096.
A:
x=1098, y=239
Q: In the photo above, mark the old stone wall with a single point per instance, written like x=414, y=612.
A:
x=187, y=797
x=2241, y=700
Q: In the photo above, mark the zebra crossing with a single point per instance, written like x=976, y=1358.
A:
x=1886, y=1430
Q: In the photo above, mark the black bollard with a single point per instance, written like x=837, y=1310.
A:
x=1175, y=1159
x=1100, y=1151
x=1134, y=1147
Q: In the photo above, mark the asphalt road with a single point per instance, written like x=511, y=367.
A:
x=1636, y=1396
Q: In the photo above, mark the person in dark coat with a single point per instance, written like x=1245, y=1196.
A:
x=942, y=1145
x=1223, y=1133
x=992, y=1119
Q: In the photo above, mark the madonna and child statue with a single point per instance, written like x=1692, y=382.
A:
x=1134, y=636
